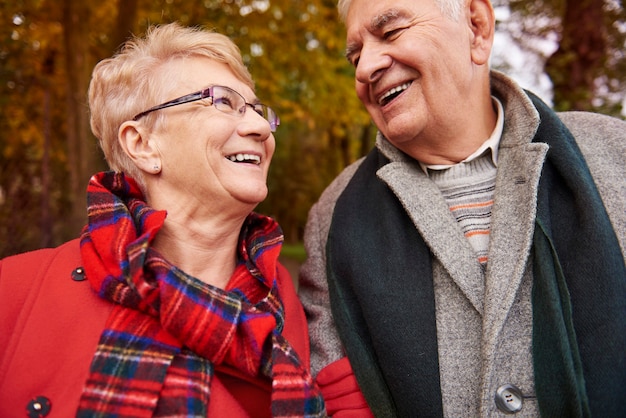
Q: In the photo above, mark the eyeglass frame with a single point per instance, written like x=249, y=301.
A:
x=261, y=109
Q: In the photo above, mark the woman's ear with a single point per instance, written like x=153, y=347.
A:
x=139, y=147
x=482, y=25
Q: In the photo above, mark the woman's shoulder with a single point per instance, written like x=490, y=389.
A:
x=31, y=261
x=50, y=323
x=47, y=277
x=22, y=275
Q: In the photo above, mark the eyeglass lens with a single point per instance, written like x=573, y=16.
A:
x=229, y=101
x=224, y=99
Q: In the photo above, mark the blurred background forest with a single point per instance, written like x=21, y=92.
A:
x=571, y=52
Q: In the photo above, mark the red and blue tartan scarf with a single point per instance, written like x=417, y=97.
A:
x=168, y=330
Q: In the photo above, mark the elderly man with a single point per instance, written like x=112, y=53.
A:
x=473, y=263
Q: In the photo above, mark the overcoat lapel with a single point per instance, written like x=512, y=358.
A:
x=512, y=226
x=430, y=214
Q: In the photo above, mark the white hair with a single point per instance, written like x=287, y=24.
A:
x=450, y=8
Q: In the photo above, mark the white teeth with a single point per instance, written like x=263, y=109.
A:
x=393, y=91
x=250, y=158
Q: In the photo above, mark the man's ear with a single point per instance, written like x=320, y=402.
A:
x=482, y=24
x=140, y=147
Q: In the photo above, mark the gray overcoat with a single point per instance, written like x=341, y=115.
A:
x=483, y=318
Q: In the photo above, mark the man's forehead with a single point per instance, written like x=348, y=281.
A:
x=374, y=17
x=374, y=22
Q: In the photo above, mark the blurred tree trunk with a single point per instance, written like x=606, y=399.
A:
x=47, y=224
x=80, y=150
x=125, y=25
x=581, y=55
x=84, y=155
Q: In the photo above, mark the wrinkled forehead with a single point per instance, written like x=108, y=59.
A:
x=370, y=19
x=367, y=13
x=372, y=15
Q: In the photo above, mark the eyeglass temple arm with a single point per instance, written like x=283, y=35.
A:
x=184, y=99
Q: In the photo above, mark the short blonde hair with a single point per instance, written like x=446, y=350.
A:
x=123, y=85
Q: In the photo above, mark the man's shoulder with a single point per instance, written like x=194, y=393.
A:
x=320, y=214
x=336, y=187
x=601, y=138
x=602, y=141
x=594, y=126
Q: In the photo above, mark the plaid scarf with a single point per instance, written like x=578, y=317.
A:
x=168, y=330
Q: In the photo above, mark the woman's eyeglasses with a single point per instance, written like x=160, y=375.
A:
x=225, y=100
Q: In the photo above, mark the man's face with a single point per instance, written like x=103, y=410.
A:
x=413, y=66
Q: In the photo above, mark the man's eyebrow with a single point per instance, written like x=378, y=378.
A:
x=383, y=18
x=376, y=24
x=350, y=51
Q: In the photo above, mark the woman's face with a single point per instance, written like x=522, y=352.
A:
x=201, y=147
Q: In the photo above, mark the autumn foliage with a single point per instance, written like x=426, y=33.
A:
x=294, y=49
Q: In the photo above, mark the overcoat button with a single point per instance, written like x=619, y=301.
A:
x=78, y=274
x=509, y=399
x=38, y=407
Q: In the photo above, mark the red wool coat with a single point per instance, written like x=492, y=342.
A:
x=50, y=325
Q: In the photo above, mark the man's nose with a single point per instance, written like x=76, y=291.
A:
x=373, y=61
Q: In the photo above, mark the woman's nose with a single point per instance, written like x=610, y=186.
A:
x=254, y=124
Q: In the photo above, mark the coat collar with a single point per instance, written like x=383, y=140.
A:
x=520, y=163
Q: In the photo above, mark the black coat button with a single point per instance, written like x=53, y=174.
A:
x=38, y=407
x=78, y=274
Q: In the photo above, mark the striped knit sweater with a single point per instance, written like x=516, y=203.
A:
x=468, y=188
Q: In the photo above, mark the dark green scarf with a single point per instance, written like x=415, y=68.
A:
x=379, y=269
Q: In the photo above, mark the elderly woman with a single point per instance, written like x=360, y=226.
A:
x=172, y=303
